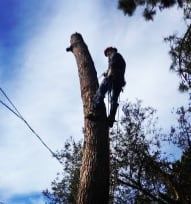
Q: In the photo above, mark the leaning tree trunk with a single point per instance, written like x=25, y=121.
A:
x=94, y=172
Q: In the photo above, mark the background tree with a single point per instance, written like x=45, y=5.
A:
x=144, y=172
x=180, y=47
x=141, y=171
x=65, y=186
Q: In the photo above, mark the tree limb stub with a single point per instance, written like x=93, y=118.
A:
x=94, y=172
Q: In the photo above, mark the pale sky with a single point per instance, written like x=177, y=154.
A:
x=41, y=79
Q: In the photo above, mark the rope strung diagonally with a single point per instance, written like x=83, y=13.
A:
x=4, y=104
x=3, y=92
x=18, y=114
x=118, y=115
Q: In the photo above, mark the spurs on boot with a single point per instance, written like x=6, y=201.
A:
x=110, y=121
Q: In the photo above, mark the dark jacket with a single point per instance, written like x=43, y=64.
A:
x=116, y=69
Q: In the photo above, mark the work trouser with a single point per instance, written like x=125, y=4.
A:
x=108, y=85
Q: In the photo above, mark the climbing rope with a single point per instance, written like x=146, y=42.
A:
x=118, y=115
x=108, y=102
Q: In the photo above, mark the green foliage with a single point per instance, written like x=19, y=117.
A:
x=149, y=7
x=128, y=7
x=180, y=52
x=181, y=134
x=141, y=172
x=134, y=151
x=65, y=186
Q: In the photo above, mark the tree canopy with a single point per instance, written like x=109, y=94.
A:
x=141, y=169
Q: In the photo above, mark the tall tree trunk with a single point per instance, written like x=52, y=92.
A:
x=94, y=172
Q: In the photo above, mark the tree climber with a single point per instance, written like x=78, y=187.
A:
x=113, y=83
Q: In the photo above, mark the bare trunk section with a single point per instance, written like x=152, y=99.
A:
x=94, y=172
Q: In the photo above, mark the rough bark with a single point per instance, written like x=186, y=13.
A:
x=94, y=172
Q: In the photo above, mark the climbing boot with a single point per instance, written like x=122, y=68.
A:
x=111, y=117
x=110, y=122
